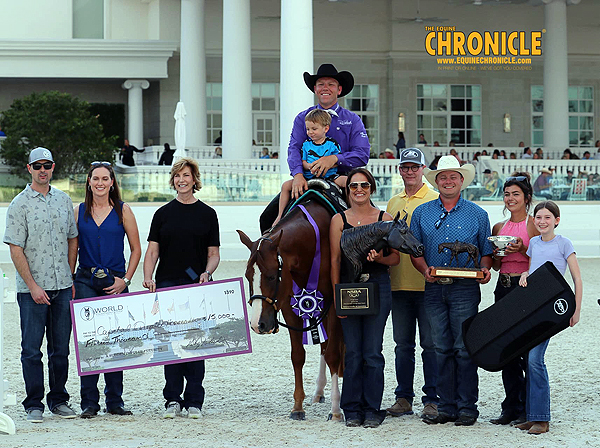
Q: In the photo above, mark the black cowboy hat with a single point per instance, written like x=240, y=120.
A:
x=345, y=79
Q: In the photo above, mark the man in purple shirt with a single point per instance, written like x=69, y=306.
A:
x=346, y=128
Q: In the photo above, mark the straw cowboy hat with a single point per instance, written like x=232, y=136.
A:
x=450, y=163
x=545, y=170
x=345, y=79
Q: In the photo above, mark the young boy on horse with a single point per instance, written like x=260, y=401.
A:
x=317, y=145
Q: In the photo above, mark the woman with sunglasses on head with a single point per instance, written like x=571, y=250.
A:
x=184, y=241
x=518, y=194
x=103, y=220
x=363, y=335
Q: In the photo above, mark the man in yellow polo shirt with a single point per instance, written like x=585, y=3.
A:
x=407, y=297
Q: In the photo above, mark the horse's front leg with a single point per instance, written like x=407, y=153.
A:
x=319, y=395
x=298, y=358
x=336, y=412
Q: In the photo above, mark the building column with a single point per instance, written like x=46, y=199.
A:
x=135, y=111
x=295, y=59
x=237, y=80
x=556, y=75
x=192, y=71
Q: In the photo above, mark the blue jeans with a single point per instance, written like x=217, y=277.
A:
x=113, y=390
x=55, y=321
x=448, y=306
x=513, y=375
x=408, y=309
x=192, y=372
x=362, y=389
x=538, y=385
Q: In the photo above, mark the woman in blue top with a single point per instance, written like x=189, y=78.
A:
x=103, y=221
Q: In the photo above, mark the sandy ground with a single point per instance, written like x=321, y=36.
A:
x=249, y=397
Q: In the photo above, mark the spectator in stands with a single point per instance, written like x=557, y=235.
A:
x=484, y=152
x=476, y=158
x=219, y=139
x=513, y=156
x=434, y=163
x=452, y=144
x=490, y=145
x=540, y=153
x=422, y=140
x=436, y=143
x=503, y=154
x=597, y=146
x=389, y=153
x=587, y=155
x=521, y=144
x=275, y=155
x=265, y=154
x=455, y=154
x=569, y=178
x=2, y=134
x=166, y=158
x=527, y=153
x=536, y=156
x=567, y=152
x=381, y=155
x=541, y=186
x=496, y=154
x=218, y=153
x=127, y=153
x=491, y=182
x=401, y=143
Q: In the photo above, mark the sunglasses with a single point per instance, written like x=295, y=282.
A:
x=354, y=185
x=38, y=166
x=517, y=178
x=413, y=168
x=95, y=164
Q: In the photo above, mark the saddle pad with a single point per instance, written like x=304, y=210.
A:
x=521, y=320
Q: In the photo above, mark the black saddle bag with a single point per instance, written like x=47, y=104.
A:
x=521, y=320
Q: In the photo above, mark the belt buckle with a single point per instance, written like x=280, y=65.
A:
x=445, y=281
x=505, y=280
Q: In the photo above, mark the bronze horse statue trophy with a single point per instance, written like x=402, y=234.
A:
x=459, y=247
x=284, y=256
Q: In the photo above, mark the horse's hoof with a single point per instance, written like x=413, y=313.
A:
x=318, y=399
x=298, y=415
x=337, y=417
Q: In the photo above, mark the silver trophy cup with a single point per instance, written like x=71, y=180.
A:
x=501, y=242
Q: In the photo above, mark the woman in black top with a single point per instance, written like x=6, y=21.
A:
x=362, y=390
x=184, y=239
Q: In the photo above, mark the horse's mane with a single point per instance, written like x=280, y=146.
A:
x=358, y=241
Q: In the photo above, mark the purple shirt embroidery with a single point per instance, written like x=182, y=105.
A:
x=347, y=129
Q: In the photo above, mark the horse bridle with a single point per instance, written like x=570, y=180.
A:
x=273, y=301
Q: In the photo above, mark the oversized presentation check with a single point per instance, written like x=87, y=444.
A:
x=171, y=325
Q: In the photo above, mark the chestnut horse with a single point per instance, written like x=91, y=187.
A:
x=284, y=255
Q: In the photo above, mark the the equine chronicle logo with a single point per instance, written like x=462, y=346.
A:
x=490, y=50
x=87, y=313
x=561, y=306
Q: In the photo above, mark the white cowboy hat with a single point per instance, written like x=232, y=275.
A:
x=450, y=163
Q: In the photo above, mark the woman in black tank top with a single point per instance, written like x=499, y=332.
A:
x=362, y=390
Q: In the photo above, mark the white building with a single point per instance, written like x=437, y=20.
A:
x=147, y=54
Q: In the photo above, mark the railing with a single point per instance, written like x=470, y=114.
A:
x=559, y=167
x=152, y=154
x=467, y=154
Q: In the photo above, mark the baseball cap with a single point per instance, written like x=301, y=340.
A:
x=40, y=153
x=412, y=155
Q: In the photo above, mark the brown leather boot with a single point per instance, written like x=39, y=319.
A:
x=524, y=426
x=539, y=428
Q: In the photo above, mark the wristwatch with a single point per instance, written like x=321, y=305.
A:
x=209, y=275
x=127, y=281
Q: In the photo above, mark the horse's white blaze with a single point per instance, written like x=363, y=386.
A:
x=335, y=394
x=256, y=310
